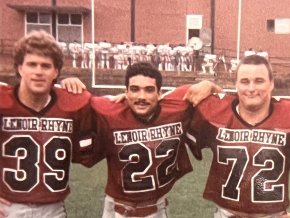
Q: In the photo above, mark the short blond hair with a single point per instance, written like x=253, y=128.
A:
x=256, y=60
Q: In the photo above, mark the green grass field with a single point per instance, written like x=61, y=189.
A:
x=185, y=200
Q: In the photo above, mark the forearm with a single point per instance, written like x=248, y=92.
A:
x=199, y=91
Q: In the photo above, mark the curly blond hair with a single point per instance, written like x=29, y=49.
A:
x=40, y=43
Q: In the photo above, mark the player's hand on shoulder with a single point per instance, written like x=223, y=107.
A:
x=116, y=98
x=73, y=84
x=197, y=92
x=3, y=212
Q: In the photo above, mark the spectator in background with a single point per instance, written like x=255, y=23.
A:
x=155, y=59
x=263, y=54
x=249, y=52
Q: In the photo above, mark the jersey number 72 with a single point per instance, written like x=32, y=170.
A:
x=269, y=164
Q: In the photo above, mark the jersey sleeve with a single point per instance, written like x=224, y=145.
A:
x=177, y=93
x=199, y=133
x=97, y=152
x=70, y=102
x=87, y=142
x=194, y=135
x=6, y=101
x=85, y=149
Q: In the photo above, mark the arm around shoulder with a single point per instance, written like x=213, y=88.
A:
x=73, y=85
x=198, y=92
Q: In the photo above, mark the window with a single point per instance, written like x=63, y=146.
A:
x=271, y=25
x=63, y=18
x=279, y=25
x=282, y=26
x=76, y=19
x=193, y=26
x=69, y=27
x=194, y=21
x=193, y=33
x=44, y=18
x=32, y=18
x=37, y=21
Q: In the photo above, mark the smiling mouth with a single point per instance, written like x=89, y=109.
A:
x=141, y=105
x=38, y=80
x=252, y=96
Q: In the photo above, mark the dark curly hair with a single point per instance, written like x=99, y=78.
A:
x=145, y=69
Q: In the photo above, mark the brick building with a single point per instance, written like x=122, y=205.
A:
x=265, y=24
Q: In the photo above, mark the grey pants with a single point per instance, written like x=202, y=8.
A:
x=223, y=213
x=55, y=210
x=109, y=211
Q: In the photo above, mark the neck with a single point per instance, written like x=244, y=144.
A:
x=148, y=118
x=253, y=117
x=35, y=102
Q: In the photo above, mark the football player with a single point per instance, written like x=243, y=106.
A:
x=144, y=142
x=40, y=129
x=249, y=136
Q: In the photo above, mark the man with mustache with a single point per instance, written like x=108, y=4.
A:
x=144, y=142
x=144, y=147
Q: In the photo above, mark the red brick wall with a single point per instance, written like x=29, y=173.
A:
x=163, y=21
x=254, y=32
x=112, y=20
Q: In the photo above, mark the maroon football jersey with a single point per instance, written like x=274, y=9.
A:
x=144, y=158
x=37, y=147
x=249, y=170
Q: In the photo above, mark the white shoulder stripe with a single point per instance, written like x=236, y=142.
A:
x=191, y=137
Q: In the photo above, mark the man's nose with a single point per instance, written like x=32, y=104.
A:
x=142, y=94
x=38, y=69
x=252, y=86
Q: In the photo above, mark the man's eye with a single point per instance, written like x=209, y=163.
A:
x=150, y=89
x=260, y=81
x=46, y=66
x=134, y=89
x=31, y=64
x=244, y=81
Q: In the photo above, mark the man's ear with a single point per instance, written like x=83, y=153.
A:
x=272, y=85
x=19, y=70
x=57, y=74
x=126, y=93
x=160, y=93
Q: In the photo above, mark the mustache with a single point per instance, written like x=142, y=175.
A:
x=141, y=101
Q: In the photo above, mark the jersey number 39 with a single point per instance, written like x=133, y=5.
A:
x=25, y=176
